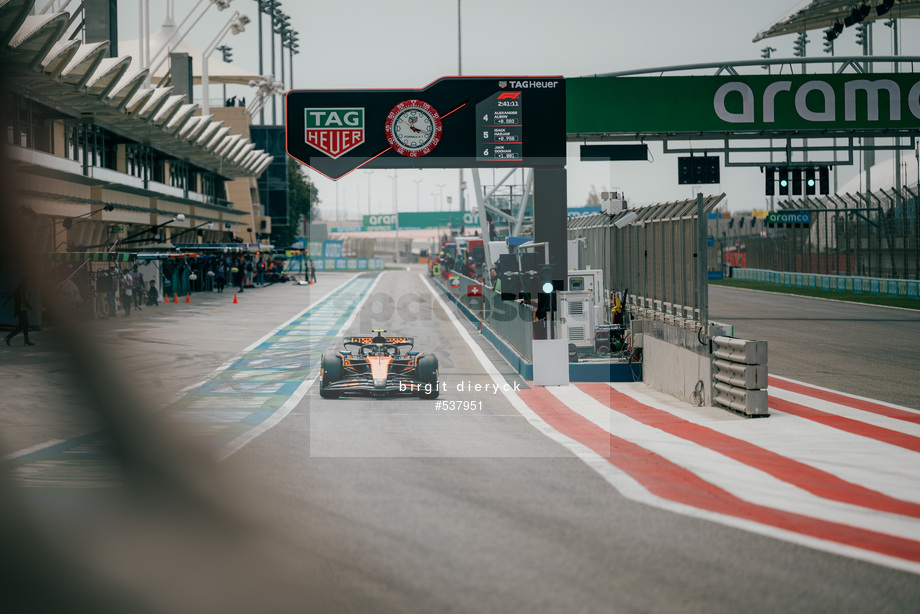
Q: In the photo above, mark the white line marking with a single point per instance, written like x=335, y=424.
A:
x=238, y=355
x=216, y=372
x=35, y=448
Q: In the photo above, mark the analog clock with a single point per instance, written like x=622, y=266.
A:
x=413, y=128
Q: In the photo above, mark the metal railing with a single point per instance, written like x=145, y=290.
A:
x=510, y=320
x=653, y=258
x=875, y=235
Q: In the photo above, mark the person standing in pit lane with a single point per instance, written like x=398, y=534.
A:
x=126, y=291
x=220, y=276
x=21, y=309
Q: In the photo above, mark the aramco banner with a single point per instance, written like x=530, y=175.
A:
x=742, y=103
x=424, y=219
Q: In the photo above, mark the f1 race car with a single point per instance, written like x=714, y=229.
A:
x=379, y=366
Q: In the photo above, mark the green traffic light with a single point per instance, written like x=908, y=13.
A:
x=547, y=287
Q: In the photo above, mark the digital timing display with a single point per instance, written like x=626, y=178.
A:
x=500, y=128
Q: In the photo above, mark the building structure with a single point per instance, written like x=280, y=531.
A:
x=109, y=164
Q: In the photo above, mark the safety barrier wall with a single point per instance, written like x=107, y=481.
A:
x=904, y=288
x=676, y=360
x=739, y=373
x=511, y=321
x=348, y=264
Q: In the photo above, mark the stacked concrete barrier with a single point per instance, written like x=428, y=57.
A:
x=739, y=374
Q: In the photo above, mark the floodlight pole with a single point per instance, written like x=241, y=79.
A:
x=281, y=36
x=272, y=27
x=279, y=20
x=225, y=53
x=261, y=10
x=893, y=24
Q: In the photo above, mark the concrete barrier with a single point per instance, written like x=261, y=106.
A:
x=739, y=373
x=676, y=360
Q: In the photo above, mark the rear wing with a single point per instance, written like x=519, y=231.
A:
x=387, y=340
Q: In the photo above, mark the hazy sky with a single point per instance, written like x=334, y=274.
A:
x=404, y=44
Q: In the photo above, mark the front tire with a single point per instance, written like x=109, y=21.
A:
x=331, y=366
x=428, y=375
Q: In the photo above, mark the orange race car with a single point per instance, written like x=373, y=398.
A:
x=379, y=366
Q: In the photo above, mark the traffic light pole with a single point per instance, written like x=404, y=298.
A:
x=549, y=220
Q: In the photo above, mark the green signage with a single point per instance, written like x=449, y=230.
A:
x=424, y=219
x=789, y=219
x=742, y=103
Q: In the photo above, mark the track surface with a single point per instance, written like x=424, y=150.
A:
x=588, y=499
x=427, y=510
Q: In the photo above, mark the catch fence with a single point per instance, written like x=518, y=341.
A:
x=876, y=234
x=650, y=254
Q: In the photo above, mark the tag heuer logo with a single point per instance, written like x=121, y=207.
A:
x=502, y=84
x=334, y=131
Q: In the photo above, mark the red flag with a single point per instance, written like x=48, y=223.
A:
x=474, y=290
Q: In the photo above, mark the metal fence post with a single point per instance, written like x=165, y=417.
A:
x=703, y=265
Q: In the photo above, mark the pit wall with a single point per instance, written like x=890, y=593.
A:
x=509, y=328
x=674, y=360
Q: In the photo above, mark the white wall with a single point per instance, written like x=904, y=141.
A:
x=675, y=370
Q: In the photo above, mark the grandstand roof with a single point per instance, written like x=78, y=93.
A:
x=79, y=79
x=218, y=70
x=822, y=14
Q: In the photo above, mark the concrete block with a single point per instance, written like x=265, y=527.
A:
x=740, y=350
x=749, y=377
x=749, y=402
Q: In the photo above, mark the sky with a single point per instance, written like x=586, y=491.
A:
x=406, y=44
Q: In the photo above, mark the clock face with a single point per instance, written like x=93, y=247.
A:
x=413, y=128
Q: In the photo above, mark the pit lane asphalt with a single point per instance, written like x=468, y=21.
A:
x=412, y=509
x=394, y=506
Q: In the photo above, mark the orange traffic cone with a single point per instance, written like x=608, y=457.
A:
x=175, y=297
x=188, y=297
x=235, y=302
